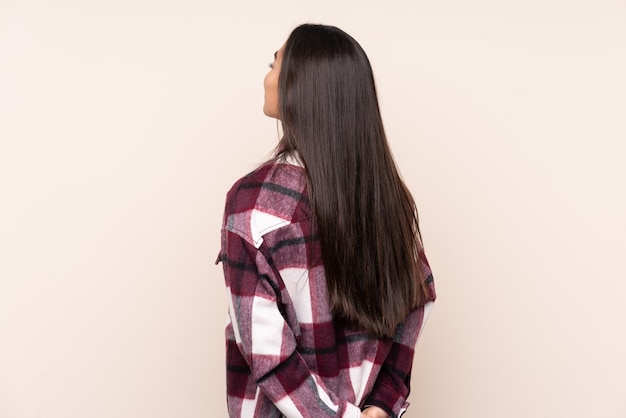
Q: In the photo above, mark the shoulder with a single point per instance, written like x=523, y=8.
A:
x=270, y=197
x=273, y=187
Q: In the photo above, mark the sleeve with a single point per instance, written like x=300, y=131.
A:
x=266, y=341
x=392, y=385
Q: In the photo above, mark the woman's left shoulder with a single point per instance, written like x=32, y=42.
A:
x=271, y=196
x=272, y=177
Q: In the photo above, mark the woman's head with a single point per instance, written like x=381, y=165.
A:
x=325, y=82
x=319, y=59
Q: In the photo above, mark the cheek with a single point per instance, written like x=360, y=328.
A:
x=266, y=81
x=271, y=83
x=271, y=91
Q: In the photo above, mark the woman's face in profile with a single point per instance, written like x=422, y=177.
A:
x=270, y=83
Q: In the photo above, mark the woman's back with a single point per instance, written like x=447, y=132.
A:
x=285, y=352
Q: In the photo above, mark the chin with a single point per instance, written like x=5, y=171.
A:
x=270, y=114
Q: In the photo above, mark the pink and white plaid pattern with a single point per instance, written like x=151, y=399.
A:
x=285, y=355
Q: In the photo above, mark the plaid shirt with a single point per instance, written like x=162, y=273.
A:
x=285, y=355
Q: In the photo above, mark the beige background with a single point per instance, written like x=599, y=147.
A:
x=123, y=123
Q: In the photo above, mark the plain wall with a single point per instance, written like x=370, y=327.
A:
x=124, y=123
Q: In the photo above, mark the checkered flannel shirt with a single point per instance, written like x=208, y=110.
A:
x=285, y=355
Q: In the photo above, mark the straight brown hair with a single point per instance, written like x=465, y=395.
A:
x=366, y=217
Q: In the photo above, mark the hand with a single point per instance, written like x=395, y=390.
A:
x=374, y=412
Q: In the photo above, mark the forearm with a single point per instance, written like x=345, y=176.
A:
x=391, y=388
x=265, y=343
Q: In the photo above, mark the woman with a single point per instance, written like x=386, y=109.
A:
x=328, y=284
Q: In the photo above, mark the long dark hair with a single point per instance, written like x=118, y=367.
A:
x=366, y=217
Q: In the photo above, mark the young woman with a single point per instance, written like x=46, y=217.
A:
x=328, y=283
